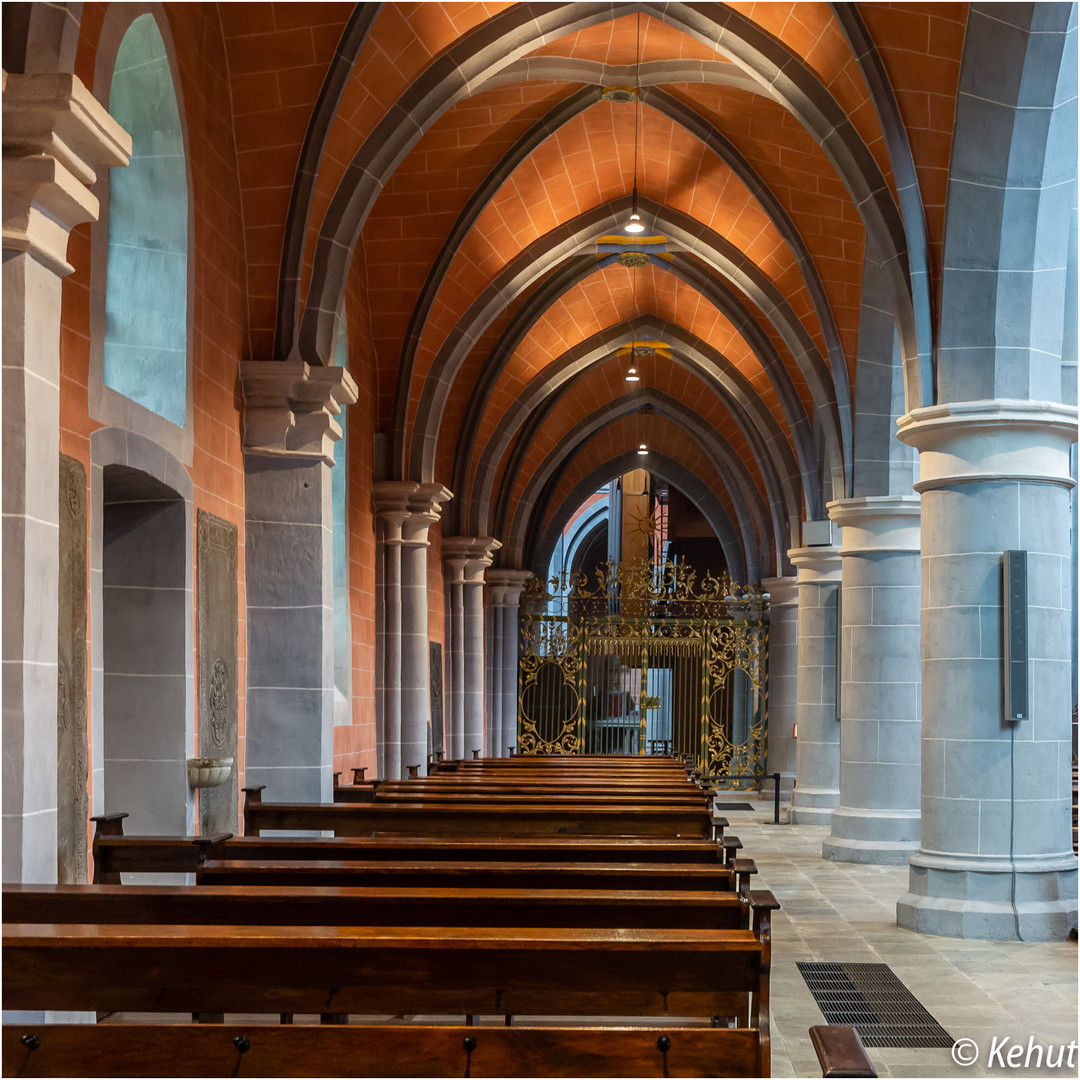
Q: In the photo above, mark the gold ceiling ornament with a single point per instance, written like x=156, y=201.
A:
x=646, y=524
x=632, y=258
x=621, y=95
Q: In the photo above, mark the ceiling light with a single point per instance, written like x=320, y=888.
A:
x=632, y=375
x=634, y=225
x=643, y=449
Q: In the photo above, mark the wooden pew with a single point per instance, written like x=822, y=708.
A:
x=382, y=1051
x=489, y=874
x=482, y=819
x=115, y=853
x=388, y=970
x=380, y=906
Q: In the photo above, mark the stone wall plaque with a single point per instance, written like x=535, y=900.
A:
x=216, y=568
x=72, y=748
x=435, y=683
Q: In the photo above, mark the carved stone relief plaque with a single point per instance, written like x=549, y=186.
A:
x=72, y=749
x=435, y=683
x=216, y=567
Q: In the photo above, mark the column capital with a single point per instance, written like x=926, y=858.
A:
x=289, y=408
x=411, y=505
x=816, y=565
x=475, y=554
x=781, y=590
x=56, y=135
x=978, y=441
x=878, y=523
x=512, y=581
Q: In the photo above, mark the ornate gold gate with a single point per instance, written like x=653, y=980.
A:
x=645, y=659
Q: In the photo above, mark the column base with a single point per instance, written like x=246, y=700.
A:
x=813, y=806
x=1032, y=899
x=863, y=835
x=878, y=852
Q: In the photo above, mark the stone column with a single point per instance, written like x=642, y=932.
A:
x=783, y=675
x=56, y=136
x=390, y=513
x=817, y=749
x=494, y=623
x=407, y=510
x=454, y=583
x=996, y=856
x=475, y=554
x=510, y=583
x=289, y=436
x=877, y=820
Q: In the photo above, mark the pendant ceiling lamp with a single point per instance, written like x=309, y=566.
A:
x=635, y=225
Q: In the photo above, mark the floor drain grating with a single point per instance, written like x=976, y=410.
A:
x=875, y=1002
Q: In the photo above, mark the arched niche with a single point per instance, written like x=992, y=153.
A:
x=143, y=647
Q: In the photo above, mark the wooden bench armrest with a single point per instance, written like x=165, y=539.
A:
x=762, y=905
x=742, y=869
x=840, y=1051
x=729, y=844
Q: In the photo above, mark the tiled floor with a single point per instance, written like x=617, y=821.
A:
x=846, y=912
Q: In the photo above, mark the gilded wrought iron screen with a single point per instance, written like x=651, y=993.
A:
x=646, y=659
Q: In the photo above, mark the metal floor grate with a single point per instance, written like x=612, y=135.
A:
x=733, y=806
x=875, y=1002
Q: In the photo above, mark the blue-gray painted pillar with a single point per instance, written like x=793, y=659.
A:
x=877, y=820
x=996, y=858
x=817, y=748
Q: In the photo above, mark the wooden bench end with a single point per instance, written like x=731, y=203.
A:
x=764, y=900
x=840, y=1051
x=211, y=839
x=116, y=815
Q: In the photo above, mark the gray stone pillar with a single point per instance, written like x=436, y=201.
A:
x=510, y=584
x=817, y=748
x=289, y=436
x=390, y=513
x=877, y=820
x=454, y=583
x=424, y=511
x=996, y=856
x=494, y=623
x=474, y=554
x=783, y=675
x=55, y=135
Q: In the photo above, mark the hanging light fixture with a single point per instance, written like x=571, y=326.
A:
x=642, y=449
x=632, y=375
x=635, y=225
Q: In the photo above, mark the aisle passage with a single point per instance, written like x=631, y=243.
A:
x=980, y=990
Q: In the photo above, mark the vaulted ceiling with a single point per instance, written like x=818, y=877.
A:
x=466, y=160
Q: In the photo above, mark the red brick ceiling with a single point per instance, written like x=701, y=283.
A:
x=278, y=54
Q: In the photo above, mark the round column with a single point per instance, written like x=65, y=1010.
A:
x=389, y=741
x=996, y=856
x=496, y=601
x=877, y=820
x=481, y=555
x=512, y=583
x=817, y=749
x=454, y=569
x=424, y=510
x=783, y=675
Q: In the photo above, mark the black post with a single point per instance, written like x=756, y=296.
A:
x=776, y=798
